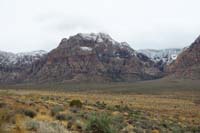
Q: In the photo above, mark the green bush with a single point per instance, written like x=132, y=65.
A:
x=100, y=124
x=56, y=109
x=61, y=117
x=76, y=103
x=29, y=113
x=32, y=125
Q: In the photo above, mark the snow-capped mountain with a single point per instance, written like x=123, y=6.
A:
x=82, y=57
x=95, y=56
x=165, y=55
x=97, y=40
x=8, y=58
x=97, y=37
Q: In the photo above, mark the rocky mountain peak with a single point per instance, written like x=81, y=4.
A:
x=196, y=44
x=97, y=37
x=82, y=57
x=125, y=44
x=187, y=63
x=198, y=40
x=100, y=43
x=92, y=39
x=96, y=56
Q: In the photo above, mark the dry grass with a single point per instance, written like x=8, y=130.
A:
x=150, y=106
x=145, y=112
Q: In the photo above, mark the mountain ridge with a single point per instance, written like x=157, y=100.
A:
x=86, y=57
x=106, y=59
x=92, y=57
x=187, y=65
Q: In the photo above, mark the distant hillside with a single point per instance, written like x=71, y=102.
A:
x=8, y=58
x=187, y=64
x=164, y=55
x=98, y=58
x=95, y=57
x=82, y=57
x=16, y=68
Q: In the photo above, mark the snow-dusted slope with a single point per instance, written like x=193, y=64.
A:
x=164, y=55
x=98, y=37
x=97, y=40
x=7, y=58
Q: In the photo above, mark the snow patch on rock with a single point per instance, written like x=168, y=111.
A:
x=97, y=37
x=165, y=55
x=86, y=48
x=8, y=58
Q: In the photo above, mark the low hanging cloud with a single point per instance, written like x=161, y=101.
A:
x=35, y=24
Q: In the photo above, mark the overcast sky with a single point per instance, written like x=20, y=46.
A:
x=27, y=25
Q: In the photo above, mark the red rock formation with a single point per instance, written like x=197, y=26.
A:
x=187, y=64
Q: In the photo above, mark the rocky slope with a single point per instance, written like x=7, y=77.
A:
x=8, y=59
x=162, y=57
x=82, y=57
x=99, y=58
x=95, y=57
x=187, y=64
x=15, y=67
x=165, y=55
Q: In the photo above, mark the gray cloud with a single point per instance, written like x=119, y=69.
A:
x=35, y=24
x=66, y=23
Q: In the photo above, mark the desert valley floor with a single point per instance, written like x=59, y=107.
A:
x=143, y=107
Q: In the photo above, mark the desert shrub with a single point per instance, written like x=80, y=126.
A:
x=76, y=103
x=56, y=109
x=195, y=129
x=118, y=122
x=122, y=108
x=5, y=116
x=29, y=113
x=84, y=115
x=80, y=125
x=74, y=109
x=100, y=124
x=45, y=98
x=3, y=113
x=61, y=117
x=45, y=127
x=100, y=105
x=32, y=125
x=136, y=115
x=111, y=108
x=2, y=105
x=69, y=117
x=69, y=124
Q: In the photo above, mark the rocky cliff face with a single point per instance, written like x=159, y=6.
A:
x=16, y=67
x=187, y=64
x=82, y=57
x=167, y=56
x=95, y=57
x=163, y=57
